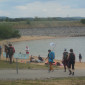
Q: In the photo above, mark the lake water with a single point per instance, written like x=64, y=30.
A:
x=40, y=47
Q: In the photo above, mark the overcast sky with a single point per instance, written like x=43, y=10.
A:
x=42, y=8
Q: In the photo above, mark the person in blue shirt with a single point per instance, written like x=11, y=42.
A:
x=51, y=56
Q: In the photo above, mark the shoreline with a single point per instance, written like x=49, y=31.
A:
x=28, y=38
x=25, y=38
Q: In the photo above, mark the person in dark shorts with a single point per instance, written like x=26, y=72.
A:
x=6, y=48
x=65, y=59
x=11, y=52
x=71, y=58
x=80, y=57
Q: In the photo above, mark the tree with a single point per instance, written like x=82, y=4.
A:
x=28, y=21
x=82, y=21
x=6, y=32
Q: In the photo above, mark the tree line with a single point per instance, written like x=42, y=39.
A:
x=83, y=21
x=6, y=32
x=7, y=19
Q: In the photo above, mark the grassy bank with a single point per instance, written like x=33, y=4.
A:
x=58, y=81
x=44, y=24
x=7, y=65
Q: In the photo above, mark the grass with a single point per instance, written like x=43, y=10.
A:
x=43, y=24
x=58, y=81
x=55, y=81
x=7, y=65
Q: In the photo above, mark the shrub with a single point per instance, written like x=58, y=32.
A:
x=7, y=32
x=82, y=21
x=28, y=22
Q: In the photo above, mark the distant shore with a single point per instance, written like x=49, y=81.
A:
x=55, y=32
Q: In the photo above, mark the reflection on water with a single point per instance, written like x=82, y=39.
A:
x=40, y=47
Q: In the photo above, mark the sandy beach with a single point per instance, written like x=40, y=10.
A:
x=25, y=38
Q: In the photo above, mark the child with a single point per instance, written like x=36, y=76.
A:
x=27, y=50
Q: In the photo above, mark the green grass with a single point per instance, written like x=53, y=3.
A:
x=55, y=81
x=58, y=81
x=43, y=24
x=7, y=65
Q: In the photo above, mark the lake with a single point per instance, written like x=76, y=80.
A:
x=40, y=47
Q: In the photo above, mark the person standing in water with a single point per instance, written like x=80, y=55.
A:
x=27, y=50
x=80, y=57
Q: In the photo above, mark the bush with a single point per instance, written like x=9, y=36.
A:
x=82, y=21
x=28, y=22
x=7, y=32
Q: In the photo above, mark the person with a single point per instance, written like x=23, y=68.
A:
x=40, y=58
x=31, y=58
x=80, y=57
x=0, y=52
x=51, y=56
x=6, y=51
x=71, y=58
x=27, y=50
x=65, y=59
x=11, y=51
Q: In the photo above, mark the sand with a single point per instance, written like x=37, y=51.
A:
x=25, y=38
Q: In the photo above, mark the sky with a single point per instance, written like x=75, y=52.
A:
x=42, y=8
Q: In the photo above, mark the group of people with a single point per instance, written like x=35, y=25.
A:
x=39, y=59
x=69, y=61
x=9, y=50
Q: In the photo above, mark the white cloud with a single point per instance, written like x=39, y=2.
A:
x=21, y=7
x=44, y=9
x=4, y=13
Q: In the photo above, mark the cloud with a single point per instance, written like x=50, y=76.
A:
x=48, y=9
x=43, y=8
x=4, y=13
